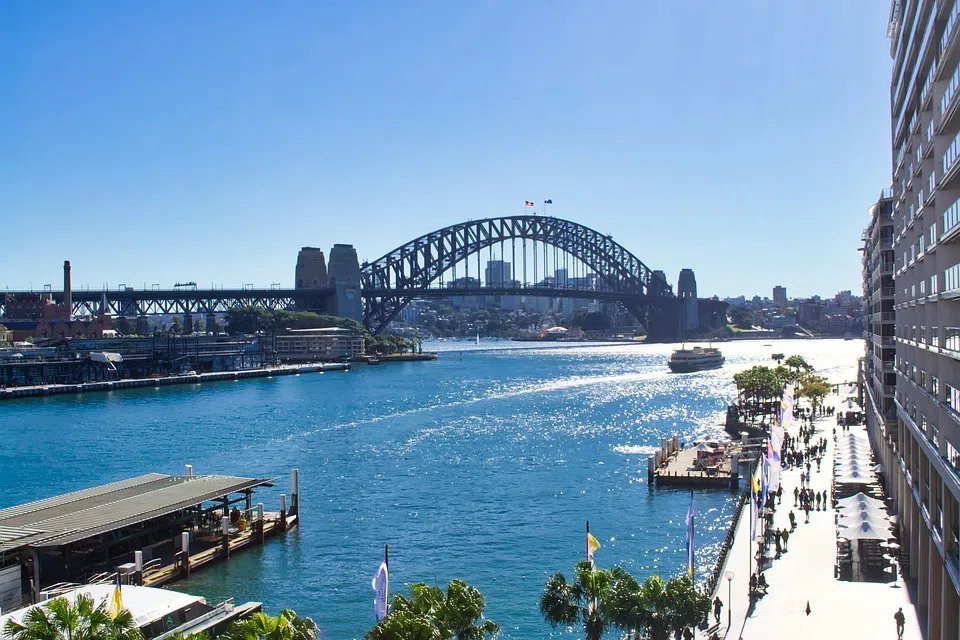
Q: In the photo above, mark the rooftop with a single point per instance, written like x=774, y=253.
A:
x=60, y=520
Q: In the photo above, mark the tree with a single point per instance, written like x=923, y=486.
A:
x=759, y=387
x=586, y=600
x=688, y=605
x=432, y=614
x=798, y=363
x=778, y=357
x=61, y=619
x=286, y=626
x=815, y=389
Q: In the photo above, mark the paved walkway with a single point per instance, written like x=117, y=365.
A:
x=805, y=573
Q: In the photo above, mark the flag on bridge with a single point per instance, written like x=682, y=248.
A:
x=548, y=201
x=527, y=203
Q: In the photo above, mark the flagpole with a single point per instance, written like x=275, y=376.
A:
x=587, y=542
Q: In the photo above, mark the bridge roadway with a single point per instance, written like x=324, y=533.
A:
x=136, y=302
x=540, y=292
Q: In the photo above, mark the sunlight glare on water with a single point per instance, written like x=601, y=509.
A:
x=481, y=466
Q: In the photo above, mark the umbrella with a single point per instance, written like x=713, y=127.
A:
x=854, y=510
x=864, y=531
x=860, y=498
x=858, y=519
x=856, y=477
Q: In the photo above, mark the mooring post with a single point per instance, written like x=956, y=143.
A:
x=260, y=533
x=138, y=567
x=185, y=549
x=651, y=467
x=295, y=493
x=225, y=533
x=283, y=512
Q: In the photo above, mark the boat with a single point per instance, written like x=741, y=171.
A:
x=696, y=359
x=158, y=613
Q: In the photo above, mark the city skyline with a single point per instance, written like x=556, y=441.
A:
x=258, y=131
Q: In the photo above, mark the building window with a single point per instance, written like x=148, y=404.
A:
x=951, y=278
x=951, y=216
x=953, y=456
x=933, y=284
x=953, y=398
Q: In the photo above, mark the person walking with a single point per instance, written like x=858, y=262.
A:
x=900, y=619
x=717, y=608
x=796, y=496
x=786, y=536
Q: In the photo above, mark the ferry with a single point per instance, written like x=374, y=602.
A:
x=696, y=359
x=157, y=613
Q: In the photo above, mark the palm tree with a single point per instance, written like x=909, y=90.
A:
x=586, y=600
x=625, y=608
x=61, y=619
x=431, y=614
x=688, y=606
x=778, y=357
x=286, y=626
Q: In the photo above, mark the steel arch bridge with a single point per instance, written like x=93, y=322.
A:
x=411, y=270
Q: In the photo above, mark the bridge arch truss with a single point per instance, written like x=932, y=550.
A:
x=392, y=280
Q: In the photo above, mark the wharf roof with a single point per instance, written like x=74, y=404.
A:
x=60, y=520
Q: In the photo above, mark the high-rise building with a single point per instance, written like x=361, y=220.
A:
x=879, y=376
x=779, y=295
x=497, y=273
x=922, y=450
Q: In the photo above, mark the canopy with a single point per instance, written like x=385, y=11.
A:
x=864, y=531
x=860, y=498
x=854, y=510
x=861, y=518
x=856, y=477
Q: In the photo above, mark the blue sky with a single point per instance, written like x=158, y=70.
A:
x=162, y=142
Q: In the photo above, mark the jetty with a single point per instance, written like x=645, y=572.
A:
x=703, y=464
x=10, y=393
x=148, y=530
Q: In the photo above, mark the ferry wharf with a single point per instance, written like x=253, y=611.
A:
x=701, y=465
x=10, y=393
x=150, y=530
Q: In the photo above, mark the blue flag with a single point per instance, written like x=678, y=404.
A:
x=548, y=201
x=690, y=531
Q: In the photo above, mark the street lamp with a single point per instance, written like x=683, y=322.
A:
x=729, y=575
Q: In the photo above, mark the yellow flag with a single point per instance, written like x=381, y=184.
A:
x=116, y=603
x=592, y=545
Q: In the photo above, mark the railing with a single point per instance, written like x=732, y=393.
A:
x=951, y=217
x=948, y=27
x=951, y=154
x=727, y=544
x=151, y=566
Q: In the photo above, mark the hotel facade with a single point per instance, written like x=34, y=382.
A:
x=915, y=423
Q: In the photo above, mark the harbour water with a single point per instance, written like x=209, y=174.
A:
x=481, y=466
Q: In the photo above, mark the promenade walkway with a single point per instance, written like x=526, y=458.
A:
x=805, y=573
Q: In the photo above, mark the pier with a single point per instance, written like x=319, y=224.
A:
x=150, y=530
x=704, y=464
x=10, y=393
